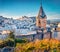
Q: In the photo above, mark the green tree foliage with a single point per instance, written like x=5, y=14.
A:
x=11, y=35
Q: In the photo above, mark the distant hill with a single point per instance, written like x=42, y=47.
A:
x=54, y=20
x=31, y=18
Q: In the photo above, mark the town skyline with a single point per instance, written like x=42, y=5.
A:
x=18, y=8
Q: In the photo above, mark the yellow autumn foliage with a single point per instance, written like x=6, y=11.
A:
x=39, y=44
x=1, y=41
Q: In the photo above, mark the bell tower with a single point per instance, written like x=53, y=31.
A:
x=41, y=19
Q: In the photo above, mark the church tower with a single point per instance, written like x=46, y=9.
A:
x=41, y=19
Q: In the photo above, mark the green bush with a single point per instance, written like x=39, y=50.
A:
x=20, y=41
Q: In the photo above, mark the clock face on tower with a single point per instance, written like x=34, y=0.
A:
x=43, y=22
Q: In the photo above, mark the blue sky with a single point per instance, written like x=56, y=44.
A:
x=18, y=8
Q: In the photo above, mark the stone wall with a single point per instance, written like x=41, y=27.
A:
x=46, y=35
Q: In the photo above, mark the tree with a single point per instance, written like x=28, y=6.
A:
x=11, y=35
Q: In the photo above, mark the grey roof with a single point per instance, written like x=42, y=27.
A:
x=41, y=13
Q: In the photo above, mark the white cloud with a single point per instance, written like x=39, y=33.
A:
x=15, y=17
x=8, y=16
x=53, y=16
x=49, y=16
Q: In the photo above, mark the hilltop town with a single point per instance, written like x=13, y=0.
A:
x=28, y=25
